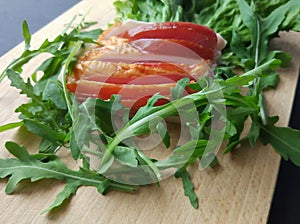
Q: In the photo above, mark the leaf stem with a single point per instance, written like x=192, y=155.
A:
x=76, y=47
x=20, y=60
x=257, y=47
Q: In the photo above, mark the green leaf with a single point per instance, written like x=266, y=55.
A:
x=259, y=41
x=29, y=110
x=178, y=91
x=18, y=151
x=148, y=166
x=284, y=140
x=52, y=90
x=292, y=20
x=269, y=80
x=126, y=156
x=147, y=111
x=262, y=29
x=152, y=11
x=88, y=36
x=209, y=155
x=27, y=166
x=233, y=144
x=9, y=126
x=237, y=45
x=240, y=112
x=253, y=134
x=70, y=189
x=188, y=186
x=184, y=155
x=164, y=134
x=51, y=68
x=230, y=128
x=105, y=113
x=80, y=133
x=26, y=34
x=242, y=80
x=284, y=57
x=47, y=146
x=18, y=82
x=273, y=21
x=237, y=116
x=92, y=115
x=44, y=131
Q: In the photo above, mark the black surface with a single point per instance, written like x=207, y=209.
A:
x=286, y=202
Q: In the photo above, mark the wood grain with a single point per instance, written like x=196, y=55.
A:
x=240, y=190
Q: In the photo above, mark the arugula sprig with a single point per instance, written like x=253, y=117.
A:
x=88, y=128
x=48, y=113
x=48, y=166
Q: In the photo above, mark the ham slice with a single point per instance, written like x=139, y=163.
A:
x=137, y=68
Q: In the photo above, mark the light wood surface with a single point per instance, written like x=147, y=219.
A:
x=240, y=190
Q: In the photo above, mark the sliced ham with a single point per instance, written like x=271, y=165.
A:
x=138, y=59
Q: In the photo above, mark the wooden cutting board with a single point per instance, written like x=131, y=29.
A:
x=240, y=190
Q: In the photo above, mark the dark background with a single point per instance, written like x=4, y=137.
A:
x=286, y=202
x=37, y=13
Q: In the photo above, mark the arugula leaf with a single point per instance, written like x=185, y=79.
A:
x=9, y=126
x=152, y=11
x=44, y=131
x=70, y=189
x=222, y=16
x=52, y=90
x=49, y=106
x=184, y=155
x=26, y=35
x=25, y=87
x=45, y=115
x=126, y=156
x=90, y=116
x=51, y=68
x=26, y=166
x=237, y=117
x=188, y=187
x=284, y=140
x=178, y=91
x=164, y=134
x=262, y=29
